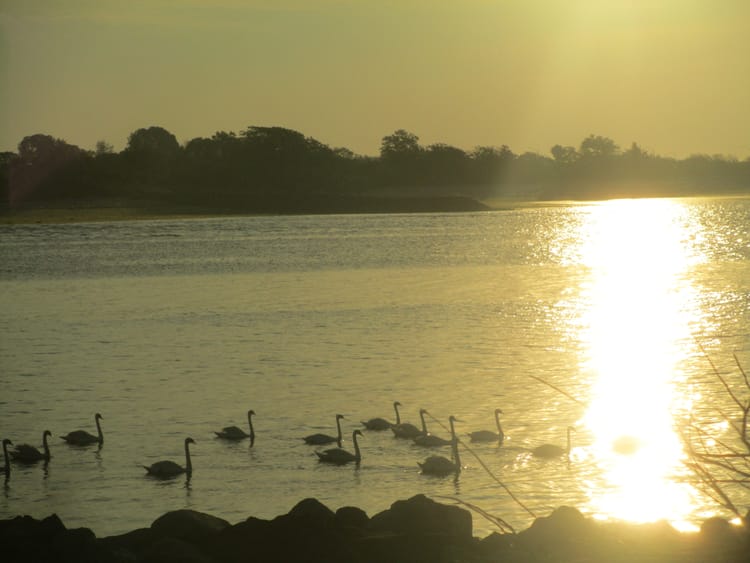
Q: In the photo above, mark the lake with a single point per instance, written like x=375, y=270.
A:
x=593, y=315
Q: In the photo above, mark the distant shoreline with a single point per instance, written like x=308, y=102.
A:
x=85, y=212
x=90, y=212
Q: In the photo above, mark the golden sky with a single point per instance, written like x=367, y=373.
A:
x=672, y=75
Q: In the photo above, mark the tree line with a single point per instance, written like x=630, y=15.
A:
x=261, y=168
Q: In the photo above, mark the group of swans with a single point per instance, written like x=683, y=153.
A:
x=433, y=465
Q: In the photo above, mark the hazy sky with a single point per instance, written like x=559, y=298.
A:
x=673, y=75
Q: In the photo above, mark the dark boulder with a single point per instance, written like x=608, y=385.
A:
x=421, y=515
x=188, y=525
x=351, y=520
x=174, y=550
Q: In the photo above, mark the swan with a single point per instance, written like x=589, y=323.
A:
x=439, y=465
x=341, y=457
x=489, y=435
x=236, y=433
x=25, y=453
x=427, y=439
x=83, y=438
x=167, y=469
x=381, y=423
x=6, y=468
x=549, y=451
x=323, y=439
x=409, y=431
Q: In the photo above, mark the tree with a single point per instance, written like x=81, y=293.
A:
x=399, y=143
x=598, y=146
x=103, y=147
x=153, y=140
x=564, y=155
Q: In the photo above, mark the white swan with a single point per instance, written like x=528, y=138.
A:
x=341, y=457
x=439, y=465
x=409, y=431
x=24, y=453
x=489, y=435
x=236, y=433
x=83, y=438
x=549, y=451
x=381, y=423
x=323, y=439
x=429, y=440
x=167, y=469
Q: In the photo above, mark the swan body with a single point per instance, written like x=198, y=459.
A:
x=83, y=438
x=24, y=453
x=381, y=423
x=168, y=469
x=323, y=439
x=429, y=440
x=236, y=433
x=409, y=431
x=6, y=467
x=489, y=435
x=439, y=465
x=339, y=456
x=549, y=451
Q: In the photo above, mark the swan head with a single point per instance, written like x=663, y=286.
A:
x=357, y=433
x=97, y=416
x=7, y=442
x=189, y=441
x=396, y=404
x=498, y=411
x=423, y=411
x=251, y=412
x=46, y=433
x=339, y=417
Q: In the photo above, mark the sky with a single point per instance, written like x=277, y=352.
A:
x=671, y=75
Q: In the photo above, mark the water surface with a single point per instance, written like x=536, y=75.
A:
x=175, y=328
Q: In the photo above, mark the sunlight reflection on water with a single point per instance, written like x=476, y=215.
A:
x=637, y=252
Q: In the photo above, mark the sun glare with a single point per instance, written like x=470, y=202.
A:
x=636, y=333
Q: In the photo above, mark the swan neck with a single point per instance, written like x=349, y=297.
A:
x=45, y=445
x=252, y=432
x=188, y=463
x=424, y=424
x=338, y=430
x=398, y=416
x=357, y=454
x=99, y=430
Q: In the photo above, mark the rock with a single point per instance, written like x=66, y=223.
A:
x=421, y=515
x=131, y=545
x=351, y=519
x=188, y=525
x=312, y=511
x=78, y=545
x=174, y=550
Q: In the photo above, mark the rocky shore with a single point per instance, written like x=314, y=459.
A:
x=415, y=530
